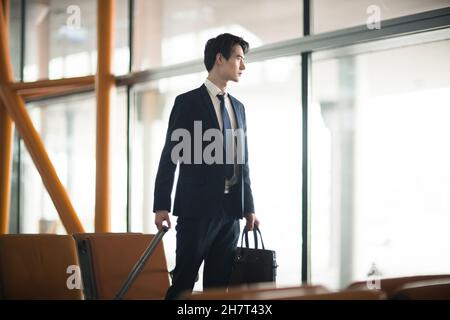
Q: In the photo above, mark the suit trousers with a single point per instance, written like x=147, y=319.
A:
x=212, y=240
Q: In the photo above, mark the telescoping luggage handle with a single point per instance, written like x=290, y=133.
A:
x=141, y=263
x=255, y=235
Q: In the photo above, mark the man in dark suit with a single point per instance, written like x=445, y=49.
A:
x=213, y=189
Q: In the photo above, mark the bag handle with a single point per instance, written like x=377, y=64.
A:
x=256, y=230
x=245, y=234
x=255, y=235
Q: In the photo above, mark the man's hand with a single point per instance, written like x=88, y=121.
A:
x=251, y=221
x=160, y=217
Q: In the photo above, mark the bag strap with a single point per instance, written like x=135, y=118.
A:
x=255, y=235
x=256, y=230
x=244, y=235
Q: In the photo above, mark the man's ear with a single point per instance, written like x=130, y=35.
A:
x=219, y=58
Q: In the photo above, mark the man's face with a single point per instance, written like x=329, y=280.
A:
x=234, y=66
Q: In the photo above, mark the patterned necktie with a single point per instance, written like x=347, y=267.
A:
x=226, y=129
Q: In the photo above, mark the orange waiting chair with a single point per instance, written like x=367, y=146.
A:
x=262, y=291
x=340, y=295
x=38, y=266
x=434, y=289
x=270, y=292
x=390, y=285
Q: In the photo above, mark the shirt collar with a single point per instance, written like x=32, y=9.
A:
x=213, y=89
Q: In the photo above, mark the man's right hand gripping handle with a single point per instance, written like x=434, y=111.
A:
x=160, y=217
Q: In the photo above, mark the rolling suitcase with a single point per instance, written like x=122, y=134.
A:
x=141, y=263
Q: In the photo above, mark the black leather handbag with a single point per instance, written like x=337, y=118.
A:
x=253, y=265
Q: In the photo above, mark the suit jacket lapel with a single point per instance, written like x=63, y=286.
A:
x=241, y=137
x=208, y=105
x=239, y=120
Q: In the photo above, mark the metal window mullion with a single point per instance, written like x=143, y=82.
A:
x=407, y=25
x=129, y=111
x=305, y=94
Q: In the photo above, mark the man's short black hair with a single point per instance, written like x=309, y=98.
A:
x=223, y=44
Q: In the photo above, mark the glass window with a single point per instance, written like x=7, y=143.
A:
x=270, y=90
x=67, y=128
x=333, y=15
x=379, y=164
x=14, y=35
x=15, y=53
x=118, y=154
x=169, y=32
x=122, y=51
x=61, y=39
x=14, y=223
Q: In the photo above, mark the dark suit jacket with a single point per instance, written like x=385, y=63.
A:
x=200, y=187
